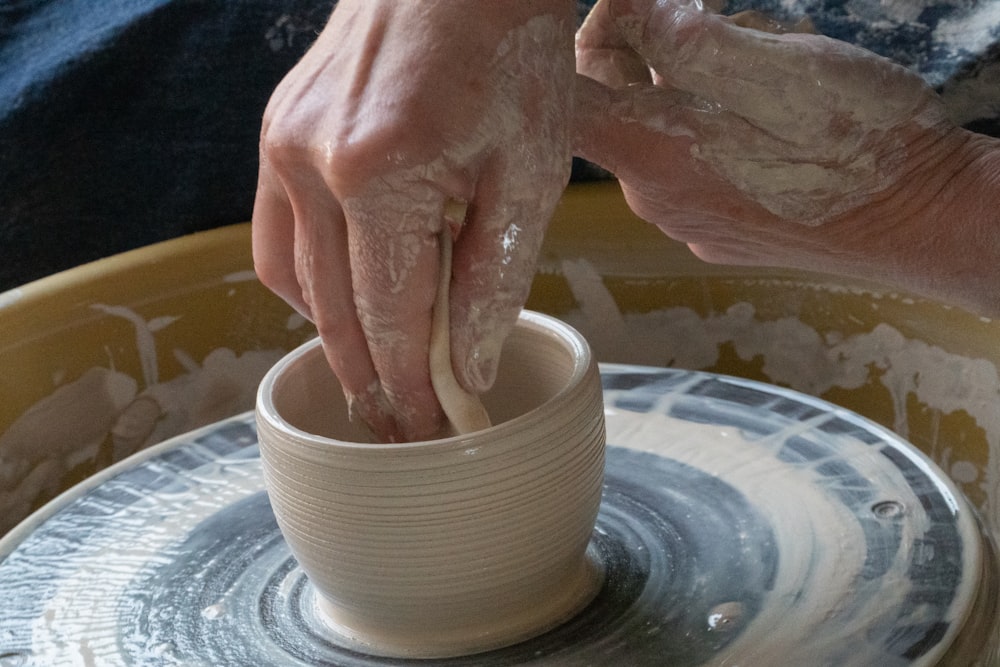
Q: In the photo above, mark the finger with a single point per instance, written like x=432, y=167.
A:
x=701, y=52
x=751, y=18
x=769, y=79
x=395, y=259
x=676, y=38
x=273, y=239
x=493, y=266
x=323, y=269
x=603, y=54
x=614, y=128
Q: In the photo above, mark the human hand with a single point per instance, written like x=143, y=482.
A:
x=786, y=150
x=403, y=120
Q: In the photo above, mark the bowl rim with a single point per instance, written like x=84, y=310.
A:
x=547, y=325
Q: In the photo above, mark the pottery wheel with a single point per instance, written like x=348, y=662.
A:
x=740, y=524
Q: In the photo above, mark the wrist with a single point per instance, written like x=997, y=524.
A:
x=948, y=241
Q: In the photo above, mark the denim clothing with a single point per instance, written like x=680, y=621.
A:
x=125, y=122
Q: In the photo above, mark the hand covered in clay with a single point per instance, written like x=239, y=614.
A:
x=405, y=120
x=791, y=150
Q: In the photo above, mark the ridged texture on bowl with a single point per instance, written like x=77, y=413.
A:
x=449, y=546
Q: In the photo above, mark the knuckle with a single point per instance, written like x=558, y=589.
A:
x=272, y=274
x=282, y=144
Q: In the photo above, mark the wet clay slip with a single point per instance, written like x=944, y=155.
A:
x=740, y=523
x=451, y=546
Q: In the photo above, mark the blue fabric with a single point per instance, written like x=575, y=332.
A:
x=125, y=122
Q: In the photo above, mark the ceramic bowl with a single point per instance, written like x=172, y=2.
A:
x=450, y=546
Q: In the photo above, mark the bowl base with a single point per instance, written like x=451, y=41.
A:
x=469, y=633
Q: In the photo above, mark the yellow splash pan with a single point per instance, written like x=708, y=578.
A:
x=111, y=357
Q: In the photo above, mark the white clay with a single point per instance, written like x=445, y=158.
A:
x=813, y=592
x=105, y=409
x=449, y=546
x=795, y=354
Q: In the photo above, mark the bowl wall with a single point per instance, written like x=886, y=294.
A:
x=450, y=546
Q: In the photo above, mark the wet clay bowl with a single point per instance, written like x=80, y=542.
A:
x=452, y=546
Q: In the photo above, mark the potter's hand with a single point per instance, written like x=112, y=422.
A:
x=774, y=149
x=399, y=116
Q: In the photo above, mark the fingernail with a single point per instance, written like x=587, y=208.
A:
x=481, y=370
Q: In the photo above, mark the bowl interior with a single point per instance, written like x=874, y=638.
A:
x=539, y=360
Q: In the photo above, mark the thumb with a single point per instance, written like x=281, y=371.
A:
x=692, y=49
x=650, y=28
x=603, y=54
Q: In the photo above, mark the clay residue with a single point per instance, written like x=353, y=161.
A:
x=821, y=608
x=10, y=297
x=78, y=620
x=797, y=355
x=104, y=415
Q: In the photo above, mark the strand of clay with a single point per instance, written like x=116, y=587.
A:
x=464, y=410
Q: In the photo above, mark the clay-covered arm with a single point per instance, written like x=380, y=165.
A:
x=398, y=108
x=788, y=150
